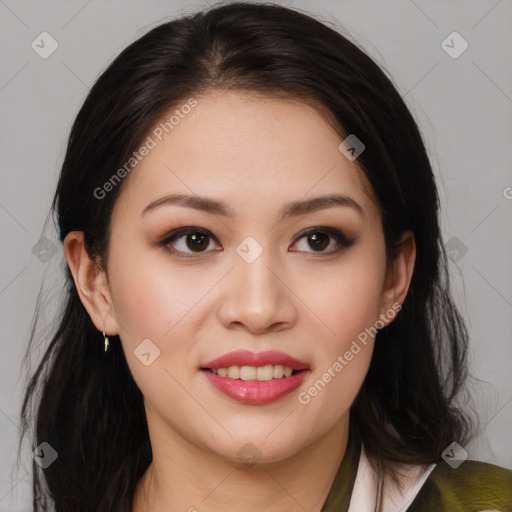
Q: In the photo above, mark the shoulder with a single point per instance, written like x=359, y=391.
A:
x=472, y=487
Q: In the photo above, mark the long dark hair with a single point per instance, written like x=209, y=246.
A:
x=89, y=409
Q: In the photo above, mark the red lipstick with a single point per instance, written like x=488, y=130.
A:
x=256, y=392
x=247, y=358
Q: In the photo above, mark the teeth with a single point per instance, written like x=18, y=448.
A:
x=233, y=372
x=278, y=371
x=261, y=373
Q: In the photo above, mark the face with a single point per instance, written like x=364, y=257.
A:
x=257, y=277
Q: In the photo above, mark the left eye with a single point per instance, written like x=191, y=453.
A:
x=318, y=238
x=197, y=240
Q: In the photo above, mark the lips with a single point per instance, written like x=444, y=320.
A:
x=253, y=392
x=247, y=358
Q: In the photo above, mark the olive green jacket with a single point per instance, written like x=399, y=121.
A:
x=471, y=487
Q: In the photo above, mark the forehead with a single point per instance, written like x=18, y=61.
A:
x=247, y=150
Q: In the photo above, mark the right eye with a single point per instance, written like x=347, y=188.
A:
x=196, y=240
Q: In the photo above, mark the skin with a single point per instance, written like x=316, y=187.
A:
x=256, y=154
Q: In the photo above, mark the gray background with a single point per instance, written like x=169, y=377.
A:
x=463, y=106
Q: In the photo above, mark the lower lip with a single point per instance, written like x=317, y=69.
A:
x=256, y=392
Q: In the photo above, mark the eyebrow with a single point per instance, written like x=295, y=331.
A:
x=293, y=209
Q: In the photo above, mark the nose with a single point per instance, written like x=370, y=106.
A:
x=256, y=297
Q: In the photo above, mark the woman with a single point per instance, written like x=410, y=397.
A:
x=258, y=308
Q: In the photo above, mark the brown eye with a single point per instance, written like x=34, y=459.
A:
x=187, y=241
x=197, y=241
x=319, y=239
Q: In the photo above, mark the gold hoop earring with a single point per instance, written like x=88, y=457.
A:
x=106, y=342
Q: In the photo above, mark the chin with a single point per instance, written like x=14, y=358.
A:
x=246, y=451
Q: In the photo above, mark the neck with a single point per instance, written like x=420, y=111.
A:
x=185, y=477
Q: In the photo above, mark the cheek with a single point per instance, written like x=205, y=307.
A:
x=151, y=302
x=344, y=355
x=349, y=298
x=150, y=294
x=349, y=305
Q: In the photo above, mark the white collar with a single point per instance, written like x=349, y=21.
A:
x=364, y=494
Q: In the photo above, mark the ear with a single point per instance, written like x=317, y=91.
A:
x=91, y=283
x=398, y=277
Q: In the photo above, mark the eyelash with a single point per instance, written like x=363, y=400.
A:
x=335, y=234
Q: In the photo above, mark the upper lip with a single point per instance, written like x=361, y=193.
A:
x=247, y=358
